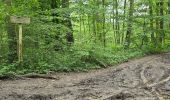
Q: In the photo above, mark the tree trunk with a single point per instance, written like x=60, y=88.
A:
x=67, y=22
x=55, y=5
x=152, y=25
x=160, y=23
x=157, y=25
x=124, y=15
x=162, y=34
x=169, y=10
x=113, y=21
x=117, y=23
x=12, y=41
x=129, y=25
x=12, y=37
x=104, y=19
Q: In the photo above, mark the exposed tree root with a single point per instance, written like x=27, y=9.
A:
x=6, y=77
x=32, y=75
x=39, y=76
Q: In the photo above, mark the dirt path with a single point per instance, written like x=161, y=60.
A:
x=147, y=78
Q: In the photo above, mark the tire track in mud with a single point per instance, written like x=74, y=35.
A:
x=147, y=78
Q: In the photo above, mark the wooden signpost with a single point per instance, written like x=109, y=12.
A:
x=20, y=21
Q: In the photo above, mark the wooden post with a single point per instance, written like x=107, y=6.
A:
x=20, y=21
x=20, y=56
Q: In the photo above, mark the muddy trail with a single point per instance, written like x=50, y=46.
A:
x=147, y=78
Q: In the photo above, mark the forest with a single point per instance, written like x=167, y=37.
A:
x=84, y=49
x=79, y=35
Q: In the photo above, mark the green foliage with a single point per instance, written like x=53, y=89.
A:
x=71, y=60
x=151, y=49
x=99, y=29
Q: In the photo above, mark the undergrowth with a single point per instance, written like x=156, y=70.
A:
x=72, y=59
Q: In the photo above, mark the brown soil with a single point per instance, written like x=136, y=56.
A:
x=147, y=78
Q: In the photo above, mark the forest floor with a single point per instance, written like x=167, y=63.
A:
x=146, y=78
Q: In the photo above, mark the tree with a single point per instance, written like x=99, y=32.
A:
x=67, y=22
x=12, y=37
x=169, y=10
x=129, y=24
x=152, y=22
x=117, y=23
x=54, y=6
x=162, y=35
x=124, y=15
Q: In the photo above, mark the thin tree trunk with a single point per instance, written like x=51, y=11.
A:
x=157, y=25
x=113, y=19
x=117, y=23
x=162, y=35
x=95, y=23
x=89, y=26
x=12, y=38
x=84, y=26
x=169, y=10
x=129, y=25
x=94, y=28
x=67, y=22
x=80, y=22
x=152, y=25
x=124, y=15
x=98, y=22
x=104, y=19
x=55, y=5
